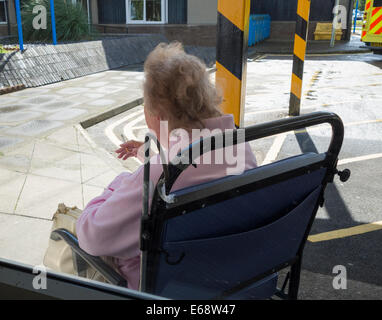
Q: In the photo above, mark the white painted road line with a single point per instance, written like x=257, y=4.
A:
x=360, y=158
x=109, y=131
x=275, y=148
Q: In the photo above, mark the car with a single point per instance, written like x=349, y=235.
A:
x=359, y=15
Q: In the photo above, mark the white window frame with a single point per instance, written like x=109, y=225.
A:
x=5, y=13
x=164, y=6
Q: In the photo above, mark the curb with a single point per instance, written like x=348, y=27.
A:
x=313, y=52
x=340, y=52
x=110, y=113
x=12, y=89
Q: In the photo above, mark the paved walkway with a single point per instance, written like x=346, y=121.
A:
x=45, y=159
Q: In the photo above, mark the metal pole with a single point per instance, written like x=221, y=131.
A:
x=335, y=19
x=300, y=40
x=53, y=22
x=355, y=18
x=19, y=25
x=88, y=7
x=7, y=17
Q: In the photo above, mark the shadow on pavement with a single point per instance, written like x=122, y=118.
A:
x=360, y=254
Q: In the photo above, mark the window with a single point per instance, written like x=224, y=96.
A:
x=146, y=11
x=136, y=10
x=3, y=12
x=377, y=3
x=153, y=10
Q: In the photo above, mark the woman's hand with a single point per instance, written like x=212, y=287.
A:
x=129, y=149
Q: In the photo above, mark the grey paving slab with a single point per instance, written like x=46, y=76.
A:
x=41, y=195
x=67, y=114
x=40, y=99
x=55, y=106
x=18, y=116
x=34, y=127
x=23, y=239
x=8, y=141
x=11, y=184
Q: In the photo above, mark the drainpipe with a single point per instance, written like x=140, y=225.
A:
x=334, y=23
x=89, y=19
x=7, y=17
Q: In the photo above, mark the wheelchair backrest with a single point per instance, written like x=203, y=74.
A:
x=255, y=224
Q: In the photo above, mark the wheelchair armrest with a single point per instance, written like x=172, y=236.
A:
x=96, y=262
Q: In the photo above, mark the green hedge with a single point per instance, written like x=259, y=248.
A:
x=71, y=21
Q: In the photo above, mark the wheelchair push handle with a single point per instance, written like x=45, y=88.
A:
x=301, y=122
x=256, y=132
x=172, y=171
x=268, y=129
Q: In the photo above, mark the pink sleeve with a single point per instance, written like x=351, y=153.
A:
x=110, y=223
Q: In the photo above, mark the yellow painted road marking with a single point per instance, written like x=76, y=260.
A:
x=347, y=232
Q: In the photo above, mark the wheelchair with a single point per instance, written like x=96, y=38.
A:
x=229, y=238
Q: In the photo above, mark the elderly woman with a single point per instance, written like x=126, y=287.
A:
x=177, y=90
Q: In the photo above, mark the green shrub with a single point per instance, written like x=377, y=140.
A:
x=71, y=21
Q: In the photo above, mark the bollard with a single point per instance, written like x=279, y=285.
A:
x=302, y=24
x=231, y=55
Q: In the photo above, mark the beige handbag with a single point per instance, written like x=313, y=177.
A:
x=58, y=256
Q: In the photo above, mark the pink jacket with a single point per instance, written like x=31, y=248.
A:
x=110, y=223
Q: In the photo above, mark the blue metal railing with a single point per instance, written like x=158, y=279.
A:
x=259, y=28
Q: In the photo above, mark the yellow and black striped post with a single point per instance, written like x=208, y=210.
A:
x=300, y=39
x=231, y=55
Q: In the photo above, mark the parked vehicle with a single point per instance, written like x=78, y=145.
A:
x=372, y=25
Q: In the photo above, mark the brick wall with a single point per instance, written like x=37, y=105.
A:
x=192, y=35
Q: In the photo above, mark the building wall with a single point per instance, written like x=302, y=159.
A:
x=200, y=26
x=285, y=10
x=193, y=35
x=12, y=12
x=283, y=16
x=177, y=11
x=202, y=11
